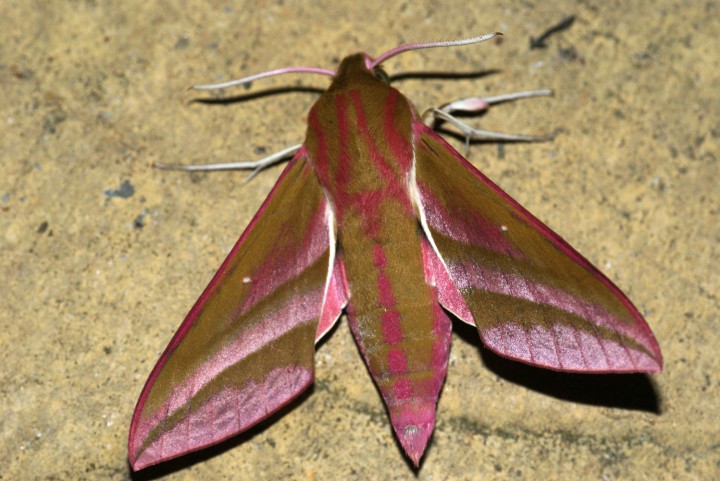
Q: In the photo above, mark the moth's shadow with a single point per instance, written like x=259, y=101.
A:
x=626, y=391
x=442, y=75
x=256, y=94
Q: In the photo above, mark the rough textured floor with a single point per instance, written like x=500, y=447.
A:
x=101, y=255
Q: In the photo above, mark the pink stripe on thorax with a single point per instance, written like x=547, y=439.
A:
x=398, y=145
x=368, y=206
x=394, y=179
x=343, y=172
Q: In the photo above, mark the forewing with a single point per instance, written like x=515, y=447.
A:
x=246, y=347
x=532, y=297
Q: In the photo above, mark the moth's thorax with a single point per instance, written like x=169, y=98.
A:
x=360, y=137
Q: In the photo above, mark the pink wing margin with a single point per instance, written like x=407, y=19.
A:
x=532, y=296
x=246, y=348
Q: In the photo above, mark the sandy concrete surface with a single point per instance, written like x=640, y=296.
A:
x=102, y=255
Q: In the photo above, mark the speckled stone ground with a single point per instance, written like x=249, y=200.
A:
x=101, y=255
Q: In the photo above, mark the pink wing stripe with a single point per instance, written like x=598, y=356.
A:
x=448, y=294
x=476, y=276
x=336, y=299
x=228, y=412
x=456, y=227
x=276, y=324
x=260, y=289
x=286, y=265
x=566, y=349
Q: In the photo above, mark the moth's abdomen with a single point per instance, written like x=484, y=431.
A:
x=402, y=332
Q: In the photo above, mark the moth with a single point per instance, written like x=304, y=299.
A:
x=377, y=216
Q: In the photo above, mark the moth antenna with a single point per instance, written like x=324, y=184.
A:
x=256, y=165
x=258, y=76
x=418, y=46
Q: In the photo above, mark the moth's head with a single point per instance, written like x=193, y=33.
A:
x=360, y=65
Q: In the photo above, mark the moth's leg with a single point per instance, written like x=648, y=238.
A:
x=479, y=104
x=256, y=165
